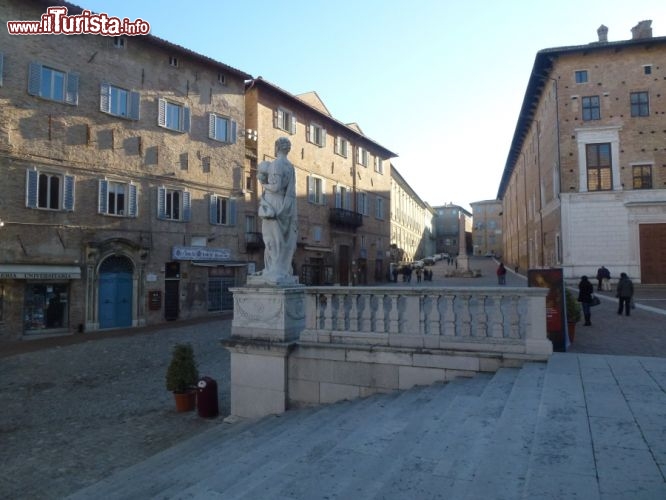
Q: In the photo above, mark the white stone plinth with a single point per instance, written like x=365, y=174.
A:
x=268, y=313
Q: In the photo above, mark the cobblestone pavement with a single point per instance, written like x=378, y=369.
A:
x=74, y=413
x=80, y=407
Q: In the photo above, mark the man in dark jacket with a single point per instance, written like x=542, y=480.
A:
x=625, y=291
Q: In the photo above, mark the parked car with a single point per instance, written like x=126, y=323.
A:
x=429, y=261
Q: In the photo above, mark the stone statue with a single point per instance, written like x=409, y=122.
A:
x=277, y=210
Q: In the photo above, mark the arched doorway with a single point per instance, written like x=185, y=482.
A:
x=115, y=292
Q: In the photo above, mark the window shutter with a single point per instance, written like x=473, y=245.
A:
x=359, y=203
x=186, y=120
x=161, y=202
x=212, y=208
x=105, y=98
x=276, y=118
x=232, y=212
x=2, y=58
x=34, y=78
x=336, y=146
x=68, y=194
x=324, y=196
x=308, y=133
x=348, y=200
x=31, y=179
x=103, y=200
x=292, y=127
x=338, y=197
x=234, y=132
x=311, y=191
x=187, y=206
x=211, y=126
x=72, y=89
x=133, y=207
x=161, y=113
x=323, y=137
x=134, y=105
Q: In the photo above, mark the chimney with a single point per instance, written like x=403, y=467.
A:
x=603, y=33
x=642, y=30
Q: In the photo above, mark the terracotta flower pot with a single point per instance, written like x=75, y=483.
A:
x=185, y=401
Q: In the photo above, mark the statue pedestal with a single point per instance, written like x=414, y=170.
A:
x=267, y=322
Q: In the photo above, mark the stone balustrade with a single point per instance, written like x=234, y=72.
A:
x=491, y=319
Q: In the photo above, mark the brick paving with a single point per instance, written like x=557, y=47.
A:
x=77, y=409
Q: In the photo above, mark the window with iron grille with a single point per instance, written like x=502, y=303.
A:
x=599, y=173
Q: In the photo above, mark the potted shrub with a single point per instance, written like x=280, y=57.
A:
x=182, y=376
x=573, y=314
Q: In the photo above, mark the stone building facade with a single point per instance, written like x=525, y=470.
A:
x=585, y=179
x=487, y=227
x=121, y=162
x=343, y=185
x=447, y=229
x=412, y=227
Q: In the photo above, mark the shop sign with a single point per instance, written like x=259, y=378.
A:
x=200, y=253
x=27, y=272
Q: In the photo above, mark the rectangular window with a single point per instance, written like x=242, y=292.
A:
x=341, y=147
x=642, y=176
x=362, y=203
x=45, y=306
x=599, y=174
x=316, y=191
x=316, y=134
x=343, y=197
x=316, y=233
x=222, y=128
x=250, y=224
x=222, y=210
x=379, y=208
x=285, y=120
x=581, y=76
x=379, y=165
x=117, y=198
x=53, y=84
x=640, y=104
x=173, y=204
x=362, y=156
x=173, y=116
x=591, y=108
x=117, y=101
x=49, y=191
x=647, y=69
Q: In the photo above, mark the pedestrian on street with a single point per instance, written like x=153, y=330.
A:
x=603, y=274
x=625, y=292
x=501, y=274
x=585, y=290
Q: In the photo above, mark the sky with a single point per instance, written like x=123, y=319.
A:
x=438, y=82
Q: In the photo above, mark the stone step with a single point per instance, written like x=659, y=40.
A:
x=501, y=471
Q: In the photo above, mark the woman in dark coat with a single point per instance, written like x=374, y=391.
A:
x=585, y=290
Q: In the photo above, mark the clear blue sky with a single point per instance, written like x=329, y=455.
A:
x=439, y=82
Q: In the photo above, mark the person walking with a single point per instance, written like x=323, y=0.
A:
x=501, y=274
x=602, y=274
x=624, y=293
x=585, y=290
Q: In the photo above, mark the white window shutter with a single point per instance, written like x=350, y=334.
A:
x=161, y=202
x=105, y=98
x=323, y=137
x=211, y=126
x=309, y=133
x=34, y=78
x=276, y=118
x=324, y=197
x=338, y=197
x=187, y=206
x=31, y=188
x=103, y=199
x=133, y=205
x=292, y=127
x=161, y=112
x=336, y=145
x=72, y=89
x=311, y=191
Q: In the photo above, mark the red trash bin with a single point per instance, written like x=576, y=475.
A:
x=207, y=398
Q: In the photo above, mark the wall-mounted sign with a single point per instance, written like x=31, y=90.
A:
x=200, y=253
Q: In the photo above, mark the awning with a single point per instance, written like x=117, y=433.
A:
x=219, y=263
x=36, y=271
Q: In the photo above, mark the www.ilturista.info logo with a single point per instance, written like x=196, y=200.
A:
x=56, y=22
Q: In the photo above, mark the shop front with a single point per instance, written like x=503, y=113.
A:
x=37, y=299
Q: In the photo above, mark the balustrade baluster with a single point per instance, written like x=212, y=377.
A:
x=353, y=312
x=366, y=314
x=434, y=318
x=340, y=316
x=394, y=314
x=481, y=317
x=379, y=314
x=465, y=317
x=449, y=316
x=514, y=330
x=328, y=312
x=497, y=321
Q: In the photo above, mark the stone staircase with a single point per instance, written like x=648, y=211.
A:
x=580, y=426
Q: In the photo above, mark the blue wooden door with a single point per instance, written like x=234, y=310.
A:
x=115, y=300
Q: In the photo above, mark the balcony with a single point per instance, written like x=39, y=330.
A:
x=254, y=241
x=345, y=218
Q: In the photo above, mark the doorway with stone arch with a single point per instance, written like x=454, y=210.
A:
x=115, y=292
